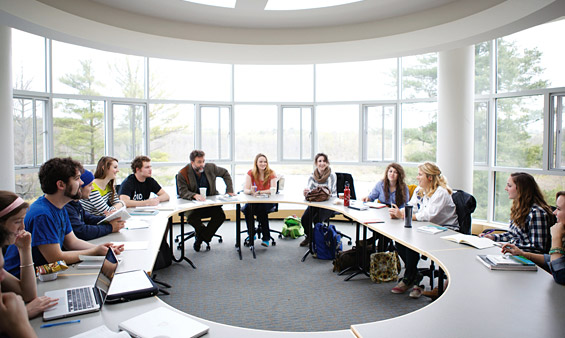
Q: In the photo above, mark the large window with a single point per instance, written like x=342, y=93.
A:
x=419, y=132
x=273, y=83
x=172, y=132
x=419, y=76
x=338, y=131
x=78, y=129
x=29, y=131
x=129, y=131
x=28, y=61
x=255, y=131
x=297, y=133
x=216, y=131
x=481, y=132
x=379, y=132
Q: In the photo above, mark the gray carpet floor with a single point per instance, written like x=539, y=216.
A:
x=276, y=291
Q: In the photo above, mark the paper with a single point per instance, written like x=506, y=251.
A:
x=121, y=213
x=102, y=332
x=431, y=229
x=477, y=242
x=133, y=224
x=372, y=220
x=375, y=205
x=134, y=245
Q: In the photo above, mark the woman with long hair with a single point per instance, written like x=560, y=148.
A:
x=555, y=260
x=431, y=202
x=321, y=176
x=259, y=180
x=12, y=212
x=530, y=216
x=391, y=189
x=103, y=198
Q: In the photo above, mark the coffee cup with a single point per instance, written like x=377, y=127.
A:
x=203, y=192
x=273, y=190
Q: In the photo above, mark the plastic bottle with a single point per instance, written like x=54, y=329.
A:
x=346, y=194
x=254, y=187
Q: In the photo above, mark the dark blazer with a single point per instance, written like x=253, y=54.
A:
x=186, y=180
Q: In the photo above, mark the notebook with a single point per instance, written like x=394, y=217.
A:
x=504, y=262
x=477, y=242
x=163, y=322
x=83, y=299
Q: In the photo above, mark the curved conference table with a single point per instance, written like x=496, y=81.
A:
x=477, y=303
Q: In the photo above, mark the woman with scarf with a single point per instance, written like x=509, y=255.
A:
x=322, y=176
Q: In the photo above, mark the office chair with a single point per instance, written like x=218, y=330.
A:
x=188, y=235
x=465, y=205
x=257, y=230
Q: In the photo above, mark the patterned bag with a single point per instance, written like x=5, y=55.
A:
x=385, y=267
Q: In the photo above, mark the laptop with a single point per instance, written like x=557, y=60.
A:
x=84, y=299
x=163, y=322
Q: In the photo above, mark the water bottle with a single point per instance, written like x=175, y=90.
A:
x=346, y=194
x=407, y=216
x=254, y=188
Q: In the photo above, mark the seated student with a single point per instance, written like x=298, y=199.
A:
x=431, y=202
x=391, y=189
x=530, y=216
x=14, y=320
x=48, y=221
x=321, y=176
x=195, y=175
x=85, y=226
x=12, y=212
x=136, y=189
x=259, y=180
x=103, y=198
x=555, y=260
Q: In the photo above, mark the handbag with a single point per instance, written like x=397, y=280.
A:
x=385, y=267
x=319, y=194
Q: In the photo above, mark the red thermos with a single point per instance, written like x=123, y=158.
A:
x=346, y=194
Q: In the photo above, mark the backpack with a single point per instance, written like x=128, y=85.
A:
x=326, y=241
x=292, y=227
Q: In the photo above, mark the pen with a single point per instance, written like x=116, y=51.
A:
x=61, y=323
x=489, y=232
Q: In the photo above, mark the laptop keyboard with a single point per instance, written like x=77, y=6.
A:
x=79, y=299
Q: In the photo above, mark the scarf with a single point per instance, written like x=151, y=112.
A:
x=323, y=177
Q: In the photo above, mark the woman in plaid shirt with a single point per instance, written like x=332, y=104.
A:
x=530, y=216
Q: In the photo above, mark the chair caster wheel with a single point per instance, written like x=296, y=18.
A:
x=220, y=240
x=176, y=240
x=207, y=248
x=280, y=236
x=349, y=242
x=274, y=243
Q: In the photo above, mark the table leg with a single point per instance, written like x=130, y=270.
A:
x=361, y=269
x=238, y=229
x=182, y=251
x=310, y=249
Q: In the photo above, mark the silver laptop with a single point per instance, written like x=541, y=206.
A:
x=83, y=299
x=163, y=322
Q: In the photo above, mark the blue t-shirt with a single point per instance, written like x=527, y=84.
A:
x=379, y=193
x=47, y=225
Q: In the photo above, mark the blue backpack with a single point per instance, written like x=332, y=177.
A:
x=326, y=241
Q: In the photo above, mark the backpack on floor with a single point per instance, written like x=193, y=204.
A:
x=326, y=241
x=292, y=227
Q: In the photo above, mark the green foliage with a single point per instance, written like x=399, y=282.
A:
x=516, y=71
x=421, y=78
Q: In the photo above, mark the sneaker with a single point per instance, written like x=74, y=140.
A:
x=305, y=242
x=416, y=292
x=197, y=244
x=401, y=287
x=265, y=243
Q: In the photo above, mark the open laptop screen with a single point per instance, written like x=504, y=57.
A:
x=106, y=274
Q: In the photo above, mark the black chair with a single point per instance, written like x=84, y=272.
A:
x=188, y=235
x=257, y=230
x=465, y=205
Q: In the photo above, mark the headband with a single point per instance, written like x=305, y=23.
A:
x=16, y=203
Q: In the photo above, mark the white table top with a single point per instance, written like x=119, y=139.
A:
x=477, y=303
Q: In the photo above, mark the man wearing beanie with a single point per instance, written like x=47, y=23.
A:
x=85, y=225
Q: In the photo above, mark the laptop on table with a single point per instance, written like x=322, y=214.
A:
x=83, y=299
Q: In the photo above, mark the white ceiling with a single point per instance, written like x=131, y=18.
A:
x=251, y=13
x=367, y=30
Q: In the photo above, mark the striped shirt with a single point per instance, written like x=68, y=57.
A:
x=330, y=183
x=99, y=200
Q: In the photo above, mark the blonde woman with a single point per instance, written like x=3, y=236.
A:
x=259, y=180
x=431, y=202
x=103, y=198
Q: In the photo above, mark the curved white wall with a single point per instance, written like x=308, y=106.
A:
x=149, y=37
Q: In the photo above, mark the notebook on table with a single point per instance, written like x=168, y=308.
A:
x=83, y=299
x=163, y=322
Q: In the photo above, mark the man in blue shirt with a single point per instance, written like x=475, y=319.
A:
x=85, y=225
x=52, y=237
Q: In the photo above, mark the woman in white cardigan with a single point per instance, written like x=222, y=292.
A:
x=431, y=202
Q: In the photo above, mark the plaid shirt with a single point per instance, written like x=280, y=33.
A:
x=535, y=237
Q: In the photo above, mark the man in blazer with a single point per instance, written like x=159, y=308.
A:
x=195, y=175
